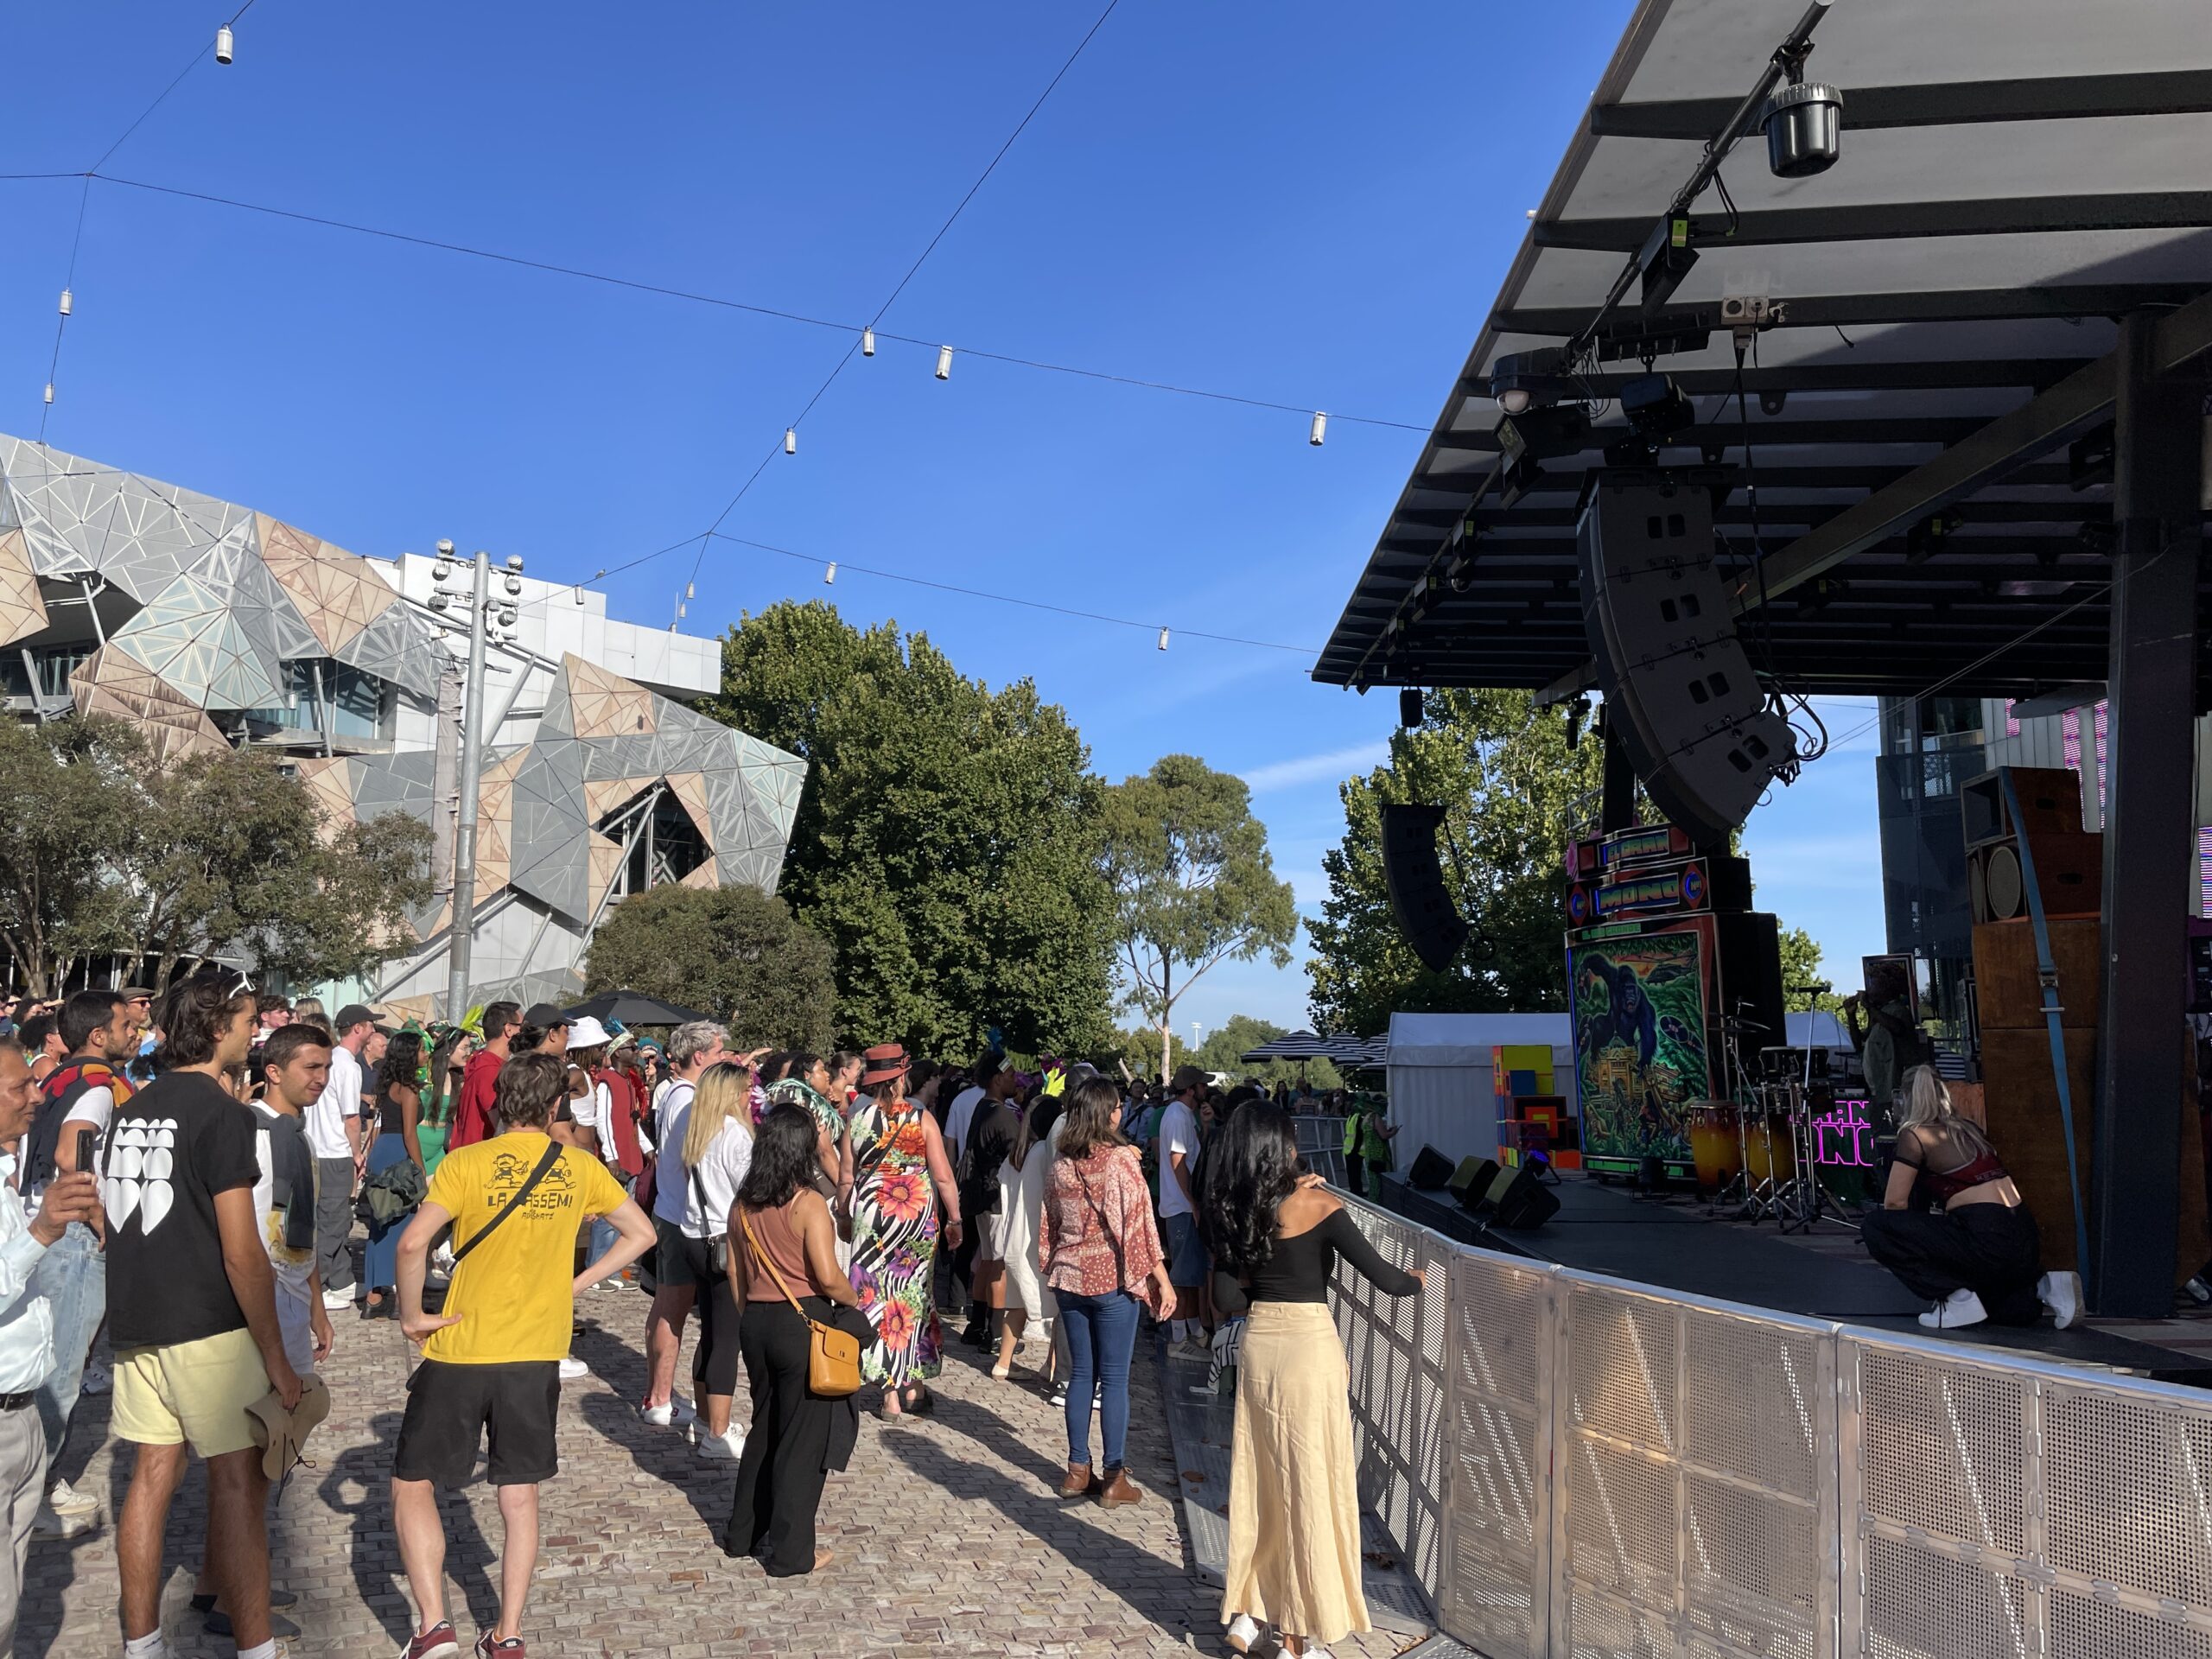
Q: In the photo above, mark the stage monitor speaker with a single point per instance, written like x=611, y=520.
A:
x=1431, y=1170
x=1516, y=1200
x=1680, y=692
x=1419, y=898
x=2070, y=870
x=1471, y=1182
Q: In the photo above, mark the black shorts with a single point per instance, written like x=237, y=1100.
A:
x=450, y=1408
x=672, y=1260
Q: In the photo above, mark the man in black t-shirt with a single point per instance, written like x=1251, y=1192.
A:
x=192, y=1313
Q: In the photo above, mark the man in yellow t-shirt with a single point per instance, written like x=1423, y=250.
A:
x=491, y=1362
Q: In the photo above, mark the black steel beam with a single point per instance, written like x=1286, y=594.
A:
x=1937, y=375
x=2150, y=830
x=2034, y=429
x=1917, y=429
x=2133, y=210
x=1936, y=103
x=1847, y=310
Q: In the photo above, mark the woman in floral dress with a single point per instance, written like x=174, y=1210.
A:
x=891, y=1155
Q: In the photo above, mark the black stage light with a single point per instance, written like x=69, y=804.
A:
x=1525, y=380
x=1409, y=707
x=1804, y=130
x=1666, y=258
x=1927, y=538
x=1654, y=405
x=1536, y=434
x=1577, y=712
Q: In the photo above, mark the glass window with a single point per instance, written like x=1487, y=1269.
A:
x=356, y=701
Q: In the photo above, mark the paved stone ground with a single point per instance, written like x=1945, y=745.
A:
x=950, y=1540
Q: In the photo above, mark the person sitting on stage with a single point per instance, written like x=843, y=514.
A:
x=1980, y=1257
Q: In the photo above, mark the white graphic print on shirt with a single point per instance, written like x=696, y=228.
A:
x=138, y=1169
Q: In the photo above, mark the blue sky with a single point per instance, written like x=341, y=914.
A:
x=1305, y=203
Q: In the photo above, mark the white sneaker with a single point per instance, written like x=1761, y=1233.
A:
x=2061, y=1294
x=49, y=1524
x=96, y=1378
x=64, y=1499
x=337, y=1301
x=1192, y=1348
x=1059, y=1393
x=676, y=1413
x=1955, y=1313
x=1243, y=1633
x=572, y=1368
x=723, y=1448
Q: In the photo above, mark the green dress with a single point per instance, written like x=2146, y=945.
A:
x=895, y=1244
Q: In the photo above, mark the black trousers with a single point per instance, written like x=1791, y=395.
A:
x=1988, y=1249
x=714, y=1363
x=791, y=1447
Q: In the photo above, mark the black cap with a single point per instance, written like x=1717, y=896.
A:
x=544, y=1016
x=353, y=1014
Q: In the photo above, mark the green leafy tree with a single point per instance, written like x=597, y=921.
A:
x=735, y=952
x=1801, y=965
x=237, y=860
x=1193, y=884
x=947, y=842
x=1510, y=787
x=72, y=815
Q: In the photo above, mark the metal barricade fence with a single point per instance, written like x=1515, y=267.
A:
x=1576, y=1465
x=1321, y=1143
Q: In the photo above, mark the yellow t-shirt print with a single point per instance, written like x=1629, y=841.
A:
x=512, y=1291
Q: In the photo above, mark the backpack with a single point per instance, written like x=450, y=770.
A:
x=61, y=1090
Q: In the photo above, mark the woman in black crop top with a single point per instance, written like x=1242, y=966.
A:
x=1980, y=1258
x=1293, y=1485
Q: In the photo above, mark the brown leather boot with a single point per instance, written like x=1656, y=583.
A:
x=1119, y=1490
x=1080, y=1482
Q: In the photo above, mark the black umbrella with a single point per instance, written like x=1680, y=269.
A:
x=636, y=1008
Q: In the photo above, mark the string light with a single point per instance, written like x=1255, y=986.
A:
x=868, y=343
x=223, y=44
x=1319, y=429
x=830, y=576
x=790, y=439
x=68, y=302
x=945, y=362
x=1163, y=638
x=49, y=392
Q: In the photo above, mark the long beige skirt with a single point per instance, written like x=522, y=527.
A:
x=1293, y=1485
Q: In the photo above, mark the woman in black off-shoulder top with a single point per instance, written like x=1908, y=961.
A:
x=1293, y=1488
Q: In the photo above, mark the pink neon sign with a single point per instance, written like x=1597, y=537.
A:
x=1843, y=1137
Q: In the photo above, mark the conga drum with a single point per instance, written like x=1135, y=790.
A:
x=1714, y=1145
x=1770, y=1150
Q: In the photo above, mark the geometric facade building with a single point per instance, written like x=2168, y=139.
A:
x=207, y=624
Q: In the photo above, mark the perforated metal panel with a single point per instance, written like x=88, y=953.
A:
x=2129, y=1485
x=2082, y=1627
x=1623, y=1372
x=1922, y=1606
x=1944, y=1449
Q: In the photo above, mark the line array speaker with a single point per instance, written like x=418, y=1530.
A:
x=1419, y=898
x=1680, y=693
x=1431, y=1169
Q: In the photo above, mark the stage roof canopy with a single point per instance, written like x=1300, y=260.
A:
x=2014, y=176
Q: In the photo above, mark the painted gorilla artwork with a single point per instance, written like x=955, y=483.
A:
x=1630, y=1019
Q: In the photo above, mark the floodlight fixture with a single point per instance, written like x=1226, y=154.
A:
x=1804, y=127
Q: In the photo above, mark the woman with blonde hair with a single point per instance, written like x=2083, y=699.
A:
x=716, y=1151
x=1980, y=1257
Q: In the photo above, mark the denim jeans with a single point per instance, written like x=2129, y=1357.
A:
x=1102, y=1333
x=603, y=1236
x=73, y=1276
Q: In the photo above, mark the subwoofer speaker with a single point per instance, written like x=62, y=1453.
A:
x=1679, y=692
x=1431, y=1170
x=2069, y=860
x=1419, y=898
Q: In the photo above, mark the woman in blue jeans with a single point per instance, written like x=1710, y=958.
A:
x=1100, y=1252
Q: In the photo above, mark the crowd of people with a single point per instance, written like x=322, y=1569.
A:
x=204, y=1178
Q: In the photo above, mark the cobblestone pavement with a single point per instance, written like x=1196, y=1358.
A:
x=949, y=1538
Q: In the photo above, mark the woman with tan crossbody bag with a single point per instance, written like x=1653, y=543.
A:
x=799, y=1344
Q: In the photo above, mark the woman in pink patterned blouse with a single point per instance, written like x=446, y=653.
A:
x=1100, y=1251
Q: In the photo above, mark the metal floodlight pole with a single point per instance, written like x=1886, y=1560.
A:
x=463, y=925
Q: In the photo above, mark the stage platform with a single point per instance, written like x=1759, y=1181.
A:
x=1675, y=1244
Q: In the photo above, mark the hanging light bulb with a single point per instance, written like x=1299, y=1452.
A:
x=223, y=43
x=689, y=592
x=1163, y=638
x=790, y=439
x=680, y=609
x=1320, y=430
x=829, y=577
x=868, y=343
x=580, y=593
x=49, y=392
x=945, y=362
x=68, y=302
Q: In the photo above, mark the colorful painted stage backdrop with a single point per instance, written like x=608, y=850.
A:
x=1640, y=1039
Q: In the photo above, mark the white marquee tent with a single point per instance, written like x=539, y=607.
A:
x=1441, y=1078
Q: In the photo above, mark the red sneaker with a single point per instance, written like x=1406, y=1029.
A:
x=489, y=1646
x=437, y=1642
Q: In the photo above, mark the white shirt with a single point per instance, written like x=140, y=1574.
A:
x=720, y=1172
x=957, y=1120
x=1179, y=1132
x=95, y=1107
x=671, y=1186
x=340, y=1099
x=26, y=1320
x=596, y=1112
